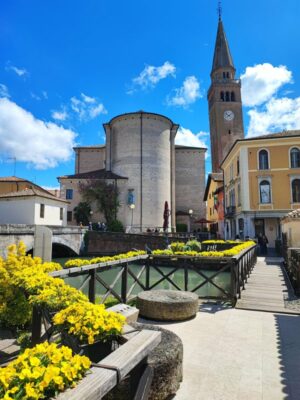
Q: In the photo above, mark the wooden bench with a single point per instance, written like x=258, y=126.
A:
x=131, y=358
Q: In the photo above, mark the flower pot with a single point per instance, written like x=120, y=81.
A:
x=95, y=352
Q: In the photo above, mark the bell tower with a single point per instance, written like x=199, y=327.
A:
x=224, y=101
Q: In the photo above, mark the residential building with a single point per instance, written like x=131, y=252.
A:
x=261, y=184
x=32, y=207
x=214, y=203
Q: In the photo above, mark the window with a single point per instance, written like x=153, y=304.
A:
x=69, y=194
x=265, y=192
x=238, y=166
x=239, y=194
x=296, y=190
x=42, y=210
x=228, y=75
x=61, y=213
x=263, y=159
x=295, y=157
x=69, y=216
x=222, y=96
x=232, y=96
x=232, y=197
x=227, y=96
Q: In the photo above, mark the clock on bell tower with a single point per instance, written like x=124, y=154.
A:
x=224, y=102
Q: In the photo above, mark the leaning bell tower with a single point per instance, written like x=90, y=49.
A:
x=224, y=101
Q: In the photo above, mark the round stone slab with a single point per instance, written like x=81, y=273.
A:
x=167, y=305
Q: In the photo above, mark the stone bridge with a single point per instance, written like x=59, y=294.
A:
x=65, y=240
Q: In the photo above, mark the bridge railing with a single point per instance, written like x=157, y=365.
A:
x=219, y=278
x=292, y=266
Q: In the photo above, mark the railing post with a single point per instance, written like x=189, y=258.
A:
x=147, y=273
x=234, y=280
x=92, y=286
x=124, y=283
x=186, y=276
x=36, y=326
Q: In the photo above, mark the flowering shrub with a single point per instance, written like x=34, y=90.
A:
x=177, y=246
x=57, y=296
x=80, y=263
x=89, y=322
x=17, y=274
x=226, y=253
x=42, y=372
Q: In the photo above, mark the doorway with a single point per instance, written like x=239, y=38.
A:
x=259, y=225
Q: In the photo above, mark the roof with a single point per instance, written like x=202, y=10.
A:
x=181, y=147
x=97, y=174
x=102, y=146
x=12, y=179
x=282, y=134
x=31, y=193
x=141, y=112
x=293, y=214
x=222, y=55
x=214, y=176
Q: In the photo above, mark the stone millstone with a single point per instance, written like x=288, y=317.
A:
x=167, y=305
x=166, y=361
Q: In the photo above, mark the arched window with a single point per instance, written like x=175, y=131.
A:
x=296, y=190
x=232, y=96
x=263, y=159
x=228, y=75
x=265, y=192
x=224, y=75
x=222, y=96
x=227, y=96
x=295, y=157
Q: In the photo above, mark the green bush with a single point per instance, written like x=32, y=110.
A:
x=193, y=245
x=177, y=246
x=116, y=226
x=181, y=227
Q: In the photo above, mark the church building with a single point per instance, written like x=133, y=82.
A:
x=141, y=159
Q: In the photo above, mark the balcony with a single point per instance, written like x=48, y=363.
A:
x=230, y=211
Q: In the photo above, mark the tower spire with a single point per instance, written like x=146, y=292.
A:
x=219, y=9
x=222, y=55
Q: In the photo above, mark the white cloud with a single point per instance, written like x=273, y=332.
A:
x=185, y=137
x=261, y=82
x=151, y=75
x=30, y=140
x=4, y=91
x=276, y=115
x=187, y=94
x=45, y=94
x=88, y=99
x=87, y=107
x=35, y=96
x=60, y=115
x=18, y=71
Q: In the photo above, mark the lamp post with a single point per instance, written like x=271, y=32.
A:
x=132, y=207
x=190, y=219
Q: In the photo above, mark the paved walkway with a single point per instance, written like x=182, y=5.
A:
x=267, y=287
x=232, y=354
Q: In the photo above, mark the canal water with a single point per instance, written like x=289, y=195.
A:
x=207, y=290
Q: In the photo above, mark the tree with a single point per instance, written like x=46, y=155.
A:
x=105, y=195
x=82, y=212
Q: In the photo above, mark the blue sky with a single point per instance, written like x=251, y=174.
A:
x=66, y=67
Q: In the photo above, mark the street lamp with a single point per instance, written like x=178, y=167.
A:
x=132, y=207
x=190, y=220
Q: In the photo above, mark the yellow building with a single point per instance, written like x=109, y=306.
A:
x=213, y=186
x=262, y=184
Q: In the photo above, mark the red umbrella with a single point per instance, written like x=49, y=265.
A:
x=166, y=216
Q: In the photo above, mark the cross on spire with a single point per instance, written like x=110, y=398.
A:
x=219, y=9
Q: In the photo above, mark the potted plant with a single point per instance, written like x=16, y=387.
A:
x=89, y=329
x=42, y=372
